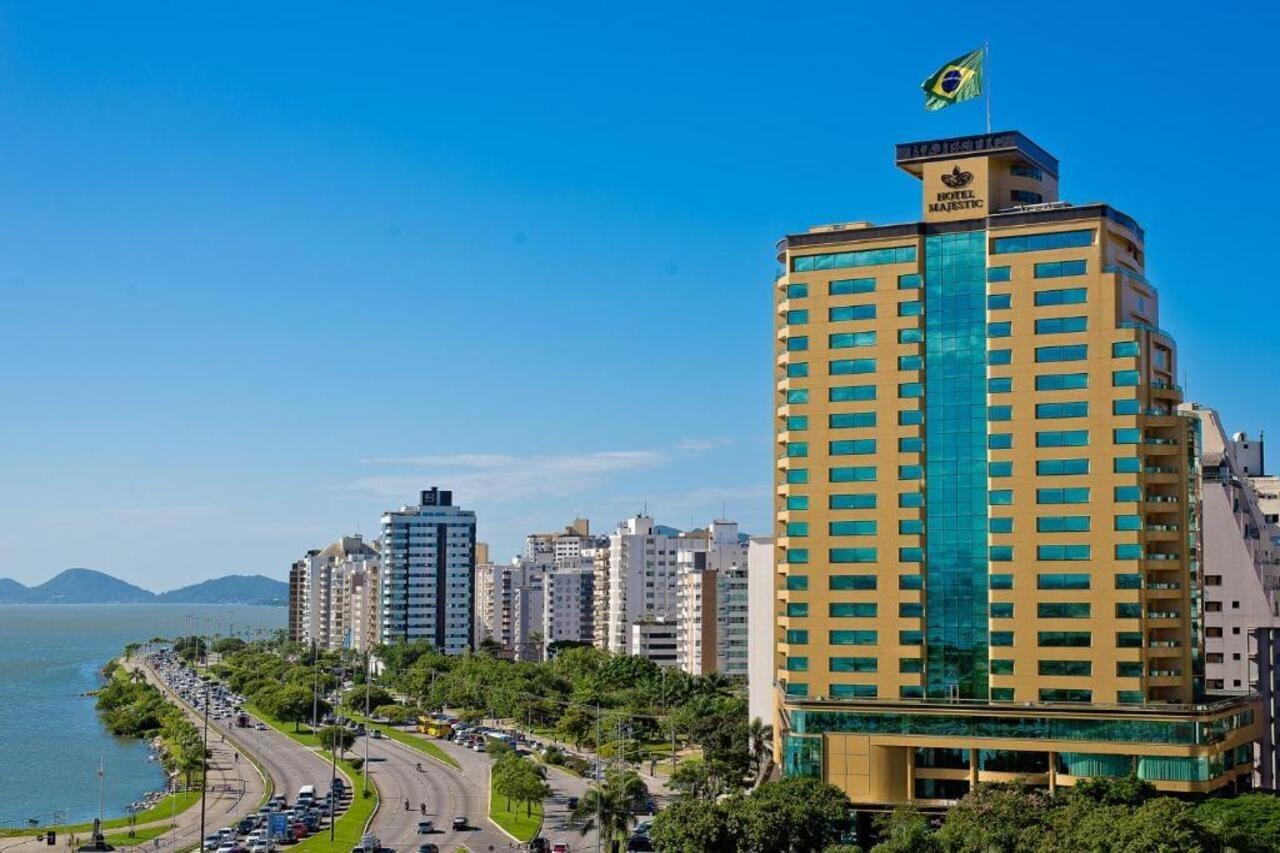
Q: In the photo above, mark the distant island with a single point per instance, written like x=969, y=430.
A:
x=86, y=586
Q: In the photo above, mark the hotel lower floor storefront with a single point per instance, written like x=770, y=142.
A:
x=933, y=753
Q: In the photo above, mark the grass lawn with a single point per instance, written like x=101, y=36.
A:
x=513, y=819
x=122, y=839
x=421, y=744
x=350, y=824
x=164, y=809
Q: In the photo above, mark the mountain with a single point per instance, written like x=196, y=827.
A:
x=85, y=586
x=75, y=586
x=232, y=589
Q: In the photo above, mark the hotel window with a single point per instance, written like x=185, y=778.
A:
x=1160, y=357
x=1066, y=668
x=1072, y=352
x=1059, y=269
x=910, y=526
x=997, y=274
x=906, y=610
x=913, y=308
x=1000, y=525
x=797, y=637
x=795, y=690
x=1062, y=553
x=852, y=638
x=999, y=413
x=1033, y=172
x=1025, y=197
x=910, y=665
x=910, y=362
x=1126, y=465
x=860, y=258
x=798, y=317
x=1001, y=694
x=797, y=291
x=797, y=609
x=1061, y=325
x=797, y=583
x=798, y=395
x=1074, y=409
x=1000, y=497
x=799, y=344
x=1043, y=242
x=856, y=474
x=1061, y=467
x=850, y=340
x=999, y=302
x=1064, y=639
x=1062, y=524
x=851, y=312
x=1125, y=349
x=797, y=449
x=798, y=370
x=1129, y=669
x=1127, y=435
x=1125, y=378
x=999, y=330
x=852, y=609
x=910, y=281
x=1001, y=554
x=798, y=476
x=1128, y=551
x=910, y=582
x=908, y=390
x=910, y=445
x=852, y=366
x=851, y=393
x=851, y=420
x=1056, y=694
x=1062, y=381
x=797, y=664
x=797, y=502
x=797, y=528
x=851, y=501
x=1128, y=580
x=1063, y=496
x=1065, y=296
x=851, y=286
x=910, y=336
x=910, y=417
x=1058, y=580
x=851, y=528
x=999, y=469
x=1128, y=639
x=910, y=500
x=797, y=556
x=911, y=555
x=797, y=422
x=852, y=555
x=854, y=664
x=854, y=691
x=1000, y=441
x=1064, y=610
x=1125, y=494
x=910, y=472
x=1000, y=356
x=1131, y=610
x=911, y=638
x=1000, y=385
x=1000, y=581
x=1125, y=407
x=1001, y=666
x=1063, y=438
x=1001, y=639
x=1128, y=522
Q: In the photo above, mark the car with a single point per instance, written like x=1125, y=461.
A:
x=377, y=734
x=425, y=826
x=572, y=803
x=262, y=845
x=428, y=847
x=539, y=845
x=559, y=847
x=213, y=842
x=479, y=748
x=227, y=848
x=300, y=830
x=459, y=823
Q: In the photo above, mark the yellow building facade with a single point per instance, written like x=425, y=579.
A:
x=986, y=552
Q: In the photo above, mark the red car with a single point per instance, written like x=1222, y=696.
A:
x=299, y=831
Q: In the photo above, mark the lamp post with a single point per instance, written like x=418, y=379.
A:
x=204, y=759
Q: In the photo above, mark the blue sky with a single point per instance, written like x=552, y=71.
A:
x=266, y=272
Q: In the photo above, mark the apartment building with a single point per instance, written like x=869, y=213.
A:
x=329, y=595
x=427, y=583
x=711, y=603
x=987, y=566
x=568, y=602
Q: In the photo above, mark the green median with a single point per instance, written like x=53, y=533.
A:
x=422, y=745
x=520, y=820
x=140, y=836
x=350, y=825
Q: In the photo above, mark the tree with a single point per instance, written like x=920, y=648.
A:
x=904, y=830
x=999, y=816
x=1126, y=791
x=793, y=815
x=490, y=647
x=693, y=778
x=577, y=724
x=337, y=739
x=1249, y=823
x=229, y=645
x=375, y=696
x=693, y=826
x=291, y=704
x=610, y=808
x=760, y=742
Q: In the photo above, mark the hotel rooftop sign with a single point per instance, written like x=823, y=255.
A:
x=911, y=156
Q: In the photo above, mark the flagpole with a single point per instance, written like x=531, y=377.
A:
x=986, y=74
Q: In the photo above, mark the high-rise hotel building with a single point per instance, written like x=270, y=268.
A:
x=986, y=548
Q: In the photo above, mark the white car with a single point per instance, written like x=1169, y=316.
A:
x=262, y=846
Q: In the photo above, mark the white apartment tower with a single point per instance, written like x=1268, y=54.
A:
x=711, y=602
x=762, y=600
x=428, y=573
x=334, y=607
x=642, y=580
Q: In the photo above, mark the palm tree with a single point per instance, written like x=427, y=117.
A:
x=610, y=808
x=715, y=684
x=760, y=740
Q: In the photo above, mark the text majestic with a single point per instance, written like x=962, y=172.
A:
x=955, y=200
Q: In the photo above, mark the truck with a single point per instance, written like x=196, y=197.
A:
x=242, y=720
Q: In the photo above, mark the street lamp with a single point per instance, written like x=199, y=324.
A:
x=204, y=759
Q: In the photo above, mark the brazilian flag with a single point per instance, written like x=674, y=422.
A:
x=958, y=80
